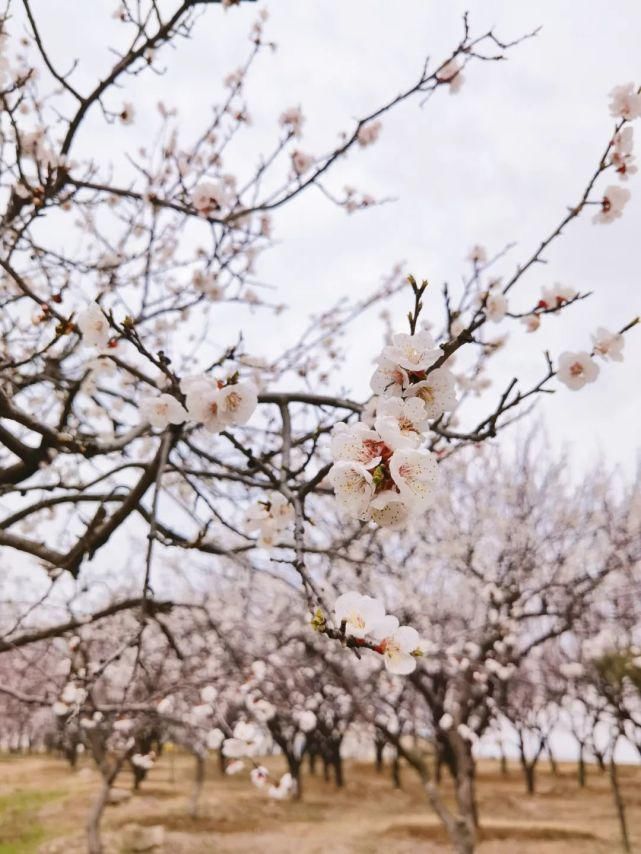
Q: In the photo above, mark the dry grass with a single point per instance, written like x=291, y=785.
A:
x=43, y=806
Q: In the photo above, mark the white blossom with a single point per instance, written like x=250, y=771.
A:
x=413, y=353
x=215, y=738
x=354, y=487
x=614, y=200
x=389, y=379
x=259, y=776
x=388, y=509
x=437, y=391
x=446, y=721
x=625, y=102
x=306, y=720
x=208, y=694
x=356, y=443
x=622, y=153
x=400, y=423
x=143, y=760
x=477, y=254
x=577, y=369
x=368, y=133
x=495, y=307
x=208, y=198
x=217, y=408
x=94, y=327
x=162, y=410
x=286, y=787
x=415, y=474
x=269, y=517
x=359, y=613
x=397, y=643
x=608, y=345
x=293, y=120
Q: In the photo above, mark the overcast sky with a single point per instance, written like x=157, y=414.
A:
x=497, y=163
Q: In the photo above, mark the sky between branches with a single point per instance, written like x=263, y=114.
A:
x=496, y=163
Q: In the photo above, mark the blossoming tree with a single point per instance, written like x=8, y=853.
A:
x=125, y=425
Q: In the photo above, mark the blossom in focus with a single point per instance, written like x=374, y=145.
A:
x=400, y=423
x=359, y=613
x=413, y=353
x=577, y=369
x=93, y=326
x=437, y=391
x=217, y=407
x=388, y=509
x=354, y=487
x=397, y=643
x=388, y=379
x=415, y=473
x=356, y=443
x=237, y=402
x=162, y=410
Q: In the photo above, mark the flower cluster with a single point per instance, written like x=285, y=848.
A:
x=577, y=369
x=625, y=104
x=269, y=517
x=380, y=473
x=364, y=618
x=213, y=403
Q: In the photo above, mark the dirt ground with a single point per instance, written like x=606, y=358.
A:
x=43, y=806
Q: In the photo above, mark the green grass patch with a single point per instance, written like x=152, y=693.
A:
x=20, y=830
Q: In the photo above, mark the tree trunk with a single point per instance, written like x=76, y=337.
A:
x=581, y=765
x=379, y=746
x=467, y=819
x=293, y=765
x=554, y=768
x=396, y=771
x=504, y=769
x=530, y=777
x=618, y=802
x=312, y=757
x=338, y=770
x=94, y=844
x=199, y=780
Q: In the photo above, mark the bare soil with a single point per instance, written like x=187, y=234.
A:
x=43, y=805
